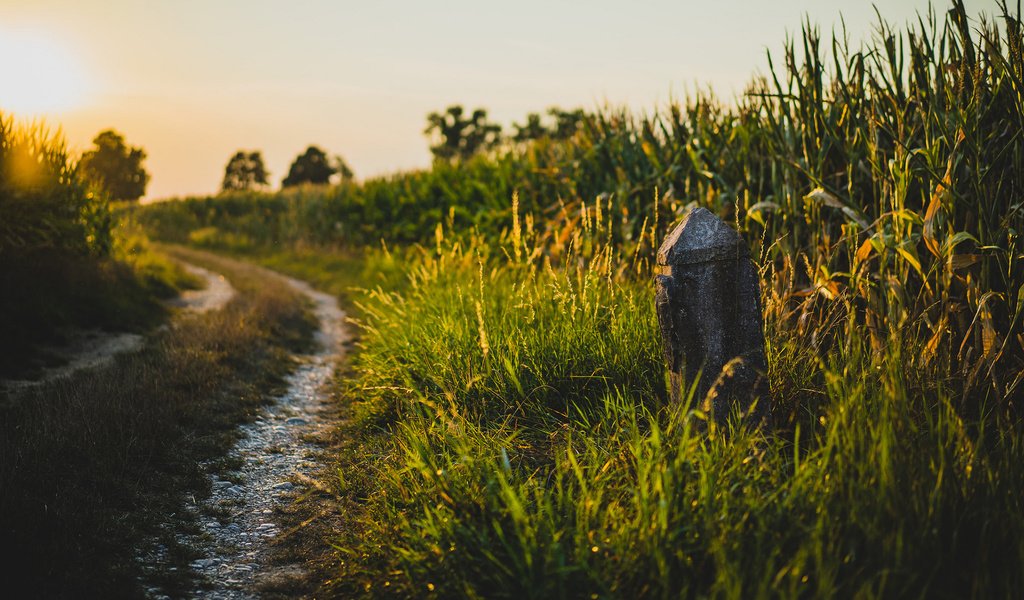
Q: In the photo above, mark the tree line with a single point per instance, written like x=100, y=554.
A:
x=455, y=134
x=458, y=135
x=246, y=171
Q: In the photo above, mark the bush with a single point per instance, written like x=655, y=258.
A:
x=63, y=260
x=44, y=204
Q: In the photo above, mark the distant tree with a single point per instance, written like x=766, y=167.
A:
x=312, y=166
x=342, y=169
x=460, y=137
x=531, y=130
x=567, y=122
x=245, y=171
x=115, y=166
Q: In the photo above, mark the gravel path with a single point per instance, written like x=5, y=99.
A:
x=275, y=458
x=214, y=296
x=93, y=348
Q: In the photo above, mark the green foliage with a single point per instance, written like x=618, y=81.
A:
x=44, y=203
x=459, y=137
x=590, y=336
x=871, y=185
x=567, y=123
x=345, y=173
x=532, y=129
x=116, y=167
x=245, y=171
x=312, y=166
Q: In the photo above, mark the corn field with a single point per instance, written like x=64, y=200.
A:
x=882, y=186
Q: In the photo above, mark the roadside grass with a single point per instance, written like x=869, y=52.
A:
x=91, y=465
x=507, y=433
x=509, y=437
x=155, y=272
x=46, y=294
x=504, y=432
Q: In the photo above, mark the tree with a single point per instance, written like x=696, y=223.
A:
x=312, y=166
x=567, y=122
x=115, y=166
x=344, y=171
x=460, y=137
x=245, y=171
x=533, y=129
x=565, y=125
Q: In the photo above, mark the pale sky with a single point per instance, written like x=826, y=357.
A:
x=193, y=81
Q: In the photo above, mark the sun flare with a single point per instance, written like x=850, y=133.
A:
x=41, y=76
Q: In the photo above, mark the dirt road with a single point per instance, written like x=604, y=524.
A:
x=275, y=460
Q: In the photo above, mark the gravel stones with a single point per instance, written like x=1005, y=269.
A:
x=271, y=450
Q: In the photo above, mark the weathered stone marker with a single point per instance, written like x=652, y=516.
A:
x=709, y=310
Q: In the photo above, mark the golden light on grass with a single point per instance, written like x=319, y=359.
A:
x=24, y=169
x=41, y=75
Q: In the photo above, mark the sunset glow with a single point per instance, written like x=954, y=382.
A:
x=41, y=76
x=535, y=299
x=359, y=79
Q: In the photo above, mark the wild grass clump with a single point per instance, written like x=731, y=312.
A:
x=514, y=343
x=514, y=441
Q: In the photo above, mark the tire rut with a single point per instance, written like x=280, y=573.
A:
x=275, y=458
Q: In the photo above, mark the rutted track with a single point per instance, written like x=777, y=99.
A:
x=214, y=296
x=93, y=348
x=274, y=458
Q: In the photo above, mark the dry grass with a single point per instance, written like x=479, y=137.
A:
x=512, y=438
x=90, y=465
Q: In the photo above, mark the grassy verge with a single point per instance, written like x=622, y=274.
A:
x=505, y=434
x=91, y=465
x=47, y=294
x=508, y=434
x=510, y=439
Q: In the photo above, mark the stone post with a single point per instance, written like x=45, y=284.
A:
x=709, y=311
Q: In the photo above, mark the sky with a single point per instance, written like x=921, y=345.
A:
x=193, y=81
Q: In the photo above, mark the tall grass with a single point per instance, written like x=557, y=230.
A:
x=511, y=433
x=512, y=439
x=64, y=260
x=887, y=177
x=44, y=204
x=94, y=465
